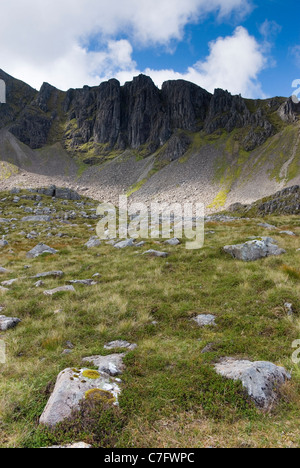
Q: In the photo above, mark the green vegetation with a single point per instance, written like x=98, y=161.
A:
x=171, y=395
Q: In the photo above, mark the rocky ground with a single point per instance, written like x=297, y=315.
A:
x=145, y=344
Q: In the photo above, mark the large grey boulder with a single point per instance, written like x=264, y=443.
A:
x=72, y=387
x=112, y=365
x=262, y=380
x=8, y=322
x=254, y=250
x=40, y=249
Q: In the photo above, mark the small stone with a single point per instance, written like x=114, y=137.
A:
x=205, y=320
x=120, y=344
x=51, y=292
x=156, y=253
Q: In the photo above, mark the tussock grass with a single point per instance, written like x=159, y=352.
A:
x=171, y=395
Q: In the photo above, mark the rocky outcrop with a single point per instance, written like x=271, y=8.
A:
x=18, y=96
x=289, y=111
x=254, y=250
x=96, y=120
x=261, y=380
x=286, y=201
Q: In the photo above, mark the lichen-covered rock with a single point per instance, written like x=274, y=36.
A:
x=112, y=365
x=72, y=387
x=262, y=380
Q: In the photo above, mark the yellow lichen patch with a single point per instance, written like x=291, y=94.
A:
x=97, y=394
x=91, y=374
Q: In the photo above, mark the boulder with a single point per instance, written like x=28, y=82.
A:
x=72, y=387
x=124, y=244
x=8, y=322
x=262, y=380
x=93, y=242
x=254, y=250
x=173, y=242
x=40, y=249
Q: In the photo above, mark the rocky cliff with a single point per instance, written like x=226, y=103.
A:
x=98, y=120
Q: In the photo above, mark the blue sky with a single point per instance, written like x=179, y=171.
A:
x=245, y=46
x=276, y=78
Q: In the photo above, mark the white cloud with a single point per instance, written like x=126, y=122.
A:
x=49, y=40
x=234, y=63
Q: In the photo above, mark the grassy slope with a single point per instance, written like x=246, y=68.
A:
x=171, y=394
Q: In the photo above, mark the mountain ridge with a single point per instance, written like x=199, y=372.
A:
x=145, y=141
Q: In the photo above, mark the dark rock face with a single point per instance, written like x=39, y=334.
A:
x=137, y=115
x=186, y=105
x=289, y=111
x=18, y=96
